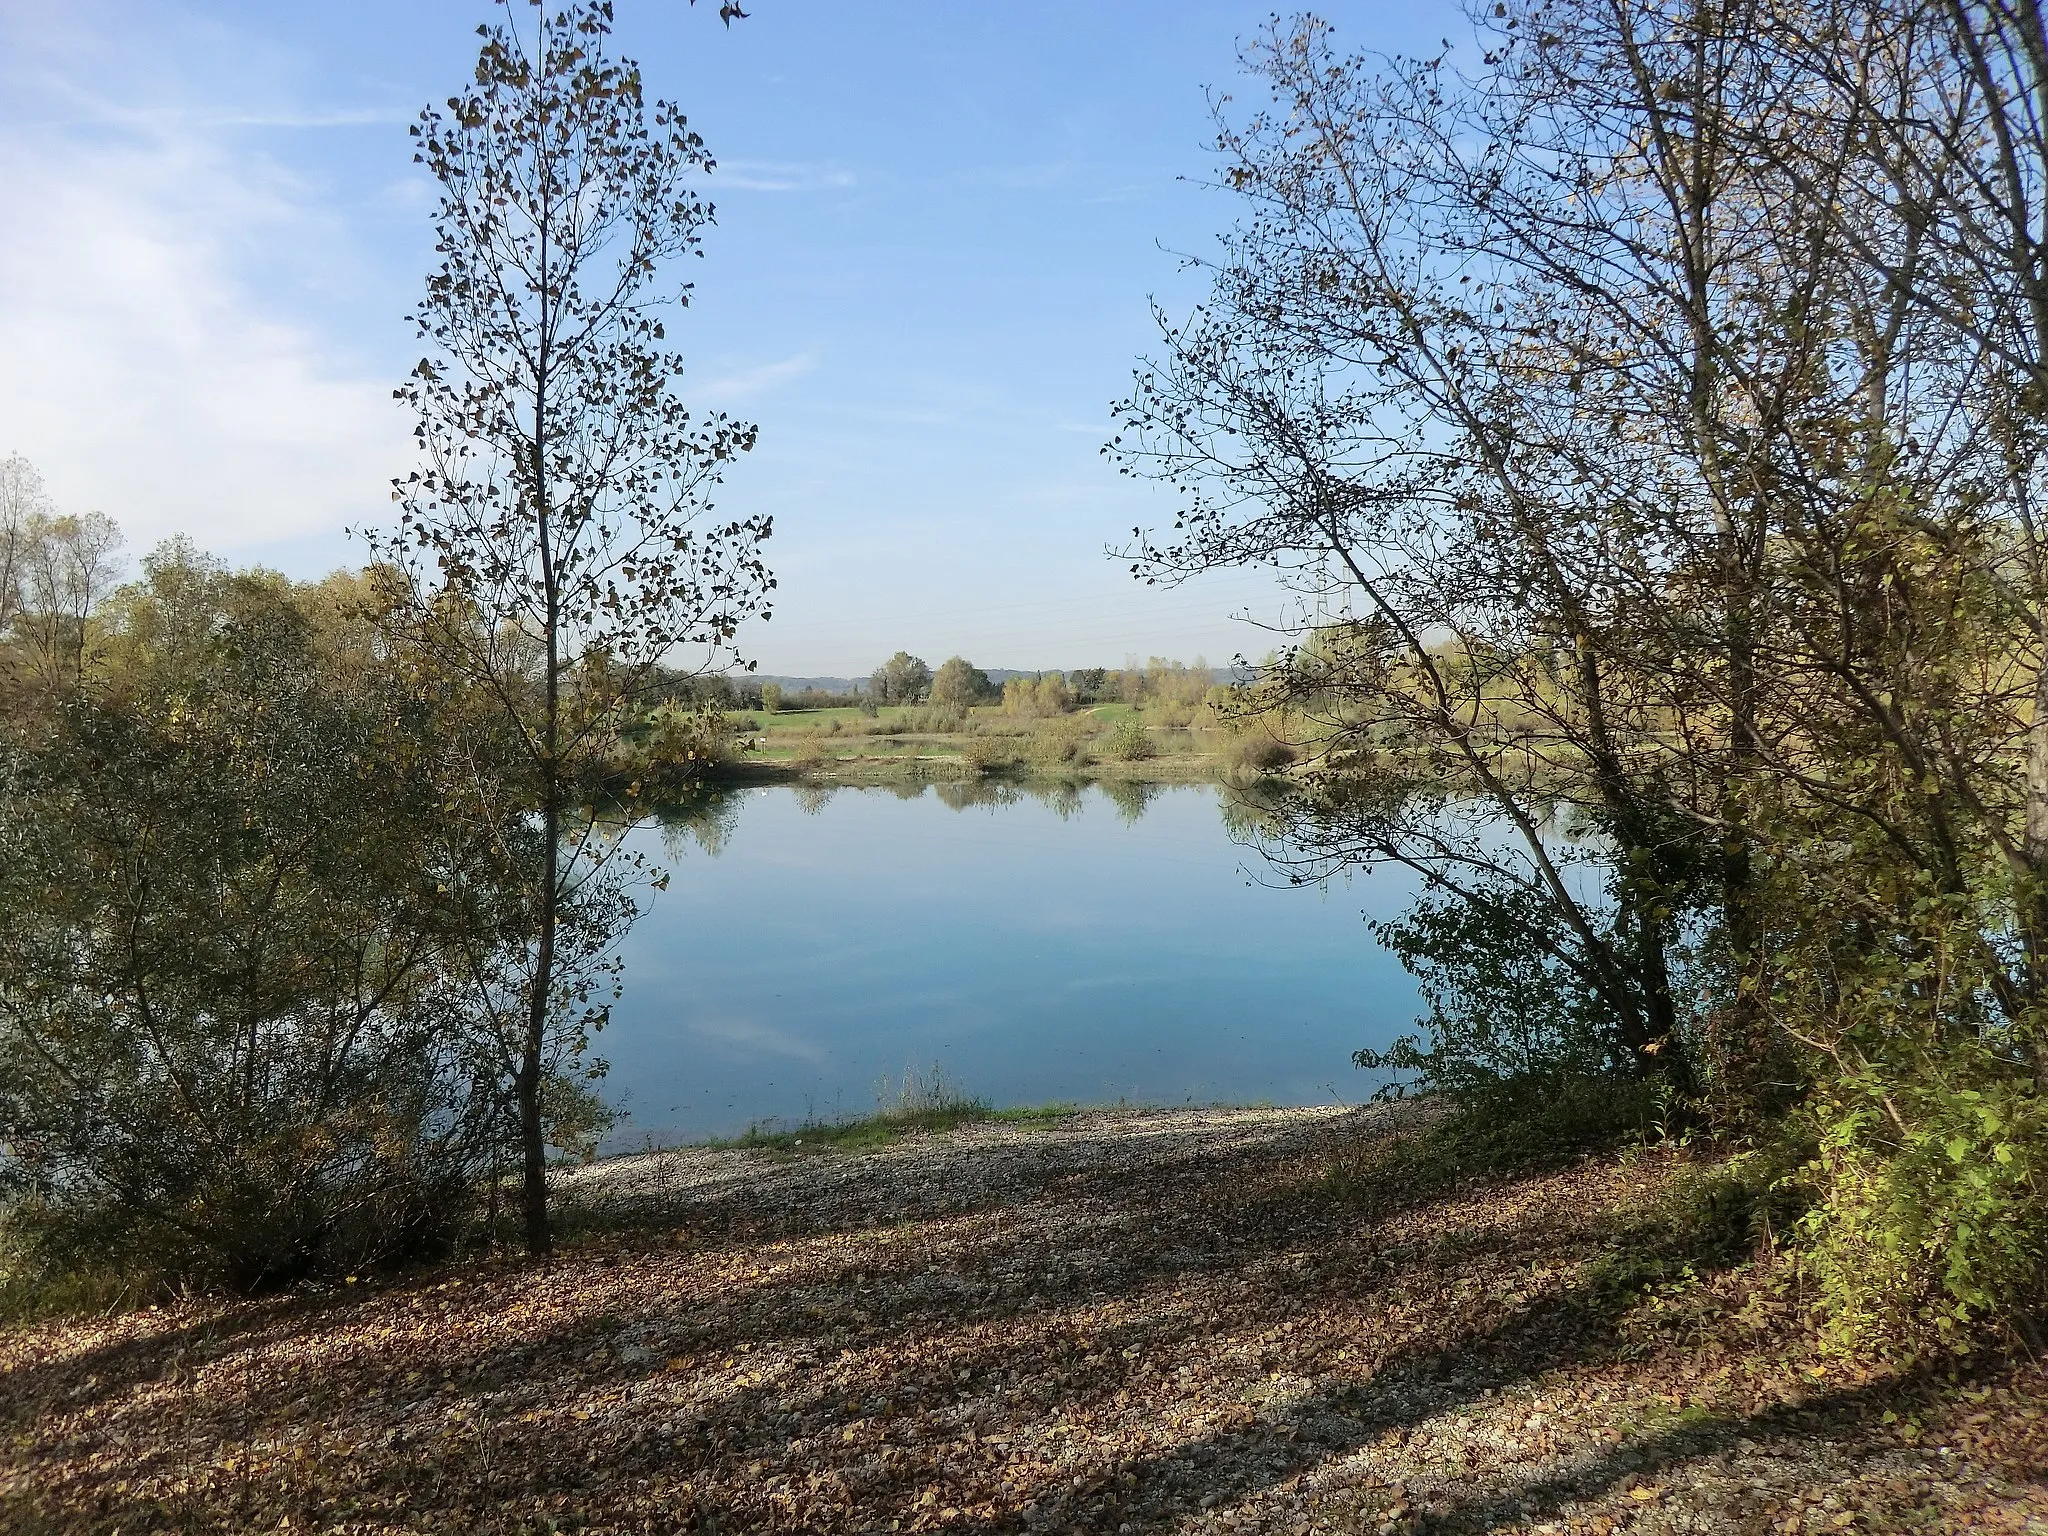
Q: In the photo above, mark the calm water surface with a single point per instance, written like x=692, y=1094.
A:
x=1078, y=947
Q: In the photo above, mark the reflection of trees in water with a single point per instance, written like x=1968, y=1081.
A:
x=708, y=817
x=811, y=798
x=1256, y=812
x=910, y=791
x=1130, y=797
x=1062, y=797
x=965, y=794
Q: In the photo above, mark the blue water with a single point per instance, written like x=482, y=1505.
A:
x=1064, y=948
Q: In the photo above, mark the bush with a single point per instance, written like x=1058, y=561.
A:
x=1502, y=1009
x=1933, y=1214
x=988, y=754
x=1259, y=754
x=265, y=945
x=1128, y=741
x=1041, y=698
x=679, y=747
x=248, y=899
x=1062, y=744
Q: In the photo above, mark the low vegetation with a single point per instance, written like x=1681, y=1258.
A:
x=920, y=1103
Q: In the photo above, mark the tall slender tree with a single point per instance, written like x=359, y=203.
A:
x=555, y=539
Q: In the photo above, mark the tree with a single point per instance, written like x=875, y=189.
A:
x=237, y=1028
x=555, y=542
x=960, y=684
x=54, y=570
x=24, y=507
x=1663, y=405
x=902, y=679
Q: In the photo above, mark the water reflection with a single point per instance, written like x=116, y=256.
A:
x=1037, y=940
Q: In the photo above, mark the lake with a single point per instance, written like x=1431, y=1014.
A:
x=1081, y=945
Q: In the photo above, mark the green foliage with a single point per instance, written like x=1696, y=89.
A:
x=771, y=698
x=1061, y=743
x=988, y=754
x=902, y=679
x=961, y=685
x=1937, y=1200
x=1503, y=1008
x=249, y=904
x=1044, y=697
x=1128, y=741
x=1258, y=753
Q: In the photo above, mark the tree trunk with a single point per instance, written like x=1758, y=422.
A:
x=2033, y=901
x=532, y=1131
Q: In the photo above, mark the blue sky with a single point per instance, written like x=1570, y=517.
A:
x=940, y=226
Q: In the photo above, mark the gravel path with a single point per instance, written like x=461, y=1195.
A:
x=1134, y=1322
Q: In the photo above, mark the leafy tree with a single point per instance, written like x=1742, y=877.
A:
x=555, y=543
x=1042, y=697
x=54, y=571
x=902, y=679
x=247, y=889
x=1091, y=685
x=24, y=507
x=961, y=684
x=1665, y=405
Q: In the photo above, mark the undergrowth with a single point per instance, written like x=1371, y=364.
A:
x=1526, y=1124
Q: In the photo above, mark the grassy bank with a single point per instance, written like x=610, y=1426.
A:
x=896, y=744
x=888, y=1126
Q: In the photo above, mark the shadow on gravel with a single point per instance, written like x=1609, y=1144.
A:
x=969, y=1338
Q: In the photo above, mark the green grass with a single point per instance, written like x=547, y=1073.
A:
x=889, y=1125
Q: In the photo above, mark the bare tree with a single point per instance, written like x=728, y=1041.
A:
x=24, y=508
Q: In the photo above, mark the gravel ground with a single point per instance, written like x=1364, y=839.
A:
x=1135, y=1322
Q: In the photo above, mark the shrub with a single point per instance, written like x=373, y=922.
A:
x=1259, y=754
x=1128, y=741
x=172, y=1109
x=1040, y=698
x=987, y=754
x=1933, y=1213
x=1502, y=1009
x=1062, y=744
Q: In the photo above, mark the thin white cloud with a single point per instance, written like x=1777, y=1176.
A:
x=749, y=382
x=780, y=176
x=144, y=375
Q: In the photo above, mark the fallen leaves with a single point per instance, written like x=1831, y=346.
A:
x=1141, y=1322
